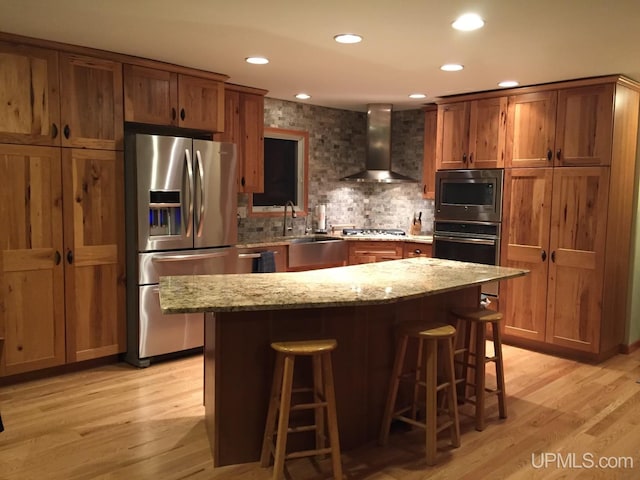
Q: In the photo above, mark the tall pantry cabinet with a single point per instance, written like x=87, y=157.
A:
x=570, y=172
x=62, y=251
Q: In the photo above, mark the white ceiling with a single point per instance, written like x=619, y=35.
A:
x=405, y=41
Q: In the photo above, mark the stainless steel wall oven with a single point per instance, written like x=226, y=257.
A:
x=468, y=217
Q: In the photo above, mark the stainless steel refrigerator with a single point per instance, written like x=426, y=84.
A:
x=181, y=200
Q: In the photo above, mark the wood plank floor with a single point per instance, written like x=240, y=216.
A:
x=118, y=422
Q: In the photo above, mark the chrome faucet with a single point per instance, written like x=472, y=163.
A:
x=284, y=220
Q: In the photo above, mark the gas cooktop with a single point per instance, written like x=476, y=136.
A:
x=388, y=232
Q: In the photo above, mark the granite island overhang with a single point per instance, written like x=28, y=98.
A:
x=358, y=305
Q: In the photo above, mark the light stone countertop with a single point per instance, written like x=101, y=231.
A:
x=368, y=284
x=426, y=239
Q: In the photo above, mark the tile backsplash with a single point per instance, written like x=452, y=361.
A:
x=337, y=142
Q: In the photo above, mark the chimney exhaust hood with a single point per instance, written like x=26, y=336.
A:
x=378, y=161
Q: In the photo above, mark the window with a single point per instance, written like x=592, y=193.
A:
x=285, y=171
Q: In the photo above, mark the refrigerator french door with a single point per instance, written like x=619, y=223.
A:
x=181, y=220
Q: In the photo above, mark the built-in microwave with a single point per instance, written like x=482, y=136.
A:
x=469, y=195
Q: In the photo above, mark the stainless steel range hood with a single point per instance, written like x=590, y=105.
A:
x=378, y=161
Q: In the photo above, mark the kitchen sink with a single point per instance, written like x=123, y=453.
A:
x=316, y=252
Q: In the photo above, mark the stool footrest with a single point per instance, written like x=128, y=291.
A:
x=302, y=428
x=307, y=453
x=308, y=406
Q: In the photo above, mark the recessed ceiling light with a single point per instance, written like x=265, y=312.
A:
x=417, y=95
x=451, y=67
x=257, y=60
x=508, y=83
x=303, y=96
x=468, y=22
x=348, y=38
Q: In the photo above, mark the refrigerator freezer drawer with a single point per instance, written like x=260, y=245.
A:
x=161, y=334
x=208, y=261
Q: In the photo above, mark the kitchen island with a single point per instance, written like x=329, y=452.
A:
x=357, y=305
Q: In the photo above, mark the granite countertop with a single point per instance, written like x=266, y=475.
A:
x=427, y=239
x=368, y=284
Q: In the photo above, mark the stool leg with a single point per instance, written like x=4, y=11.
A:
x=465, y=360
x=451, y=393
x=430, y=372
x=319, y=395
x=394, y=382
x=276, y=385
x=497, y=347
x=332, y=416
x=480, y=362
x=283, y=421
x=416, y=386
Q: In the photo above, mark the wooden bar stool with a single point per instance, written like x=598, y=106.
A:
x=428, y=337
x=474, y=321
x=280, y=405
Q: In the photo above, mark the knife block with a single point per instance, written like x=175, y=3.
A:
x=415, y=228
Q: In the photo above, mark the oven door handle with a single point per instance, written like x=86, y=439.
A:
x=475, y=241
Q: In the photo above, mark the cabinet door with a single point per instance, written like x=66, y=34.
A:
x=584, y=126
x=525, y=244
x=31, y=270
x=531, y=126
x=453, y=136
x=232, y=129
x=201, y=103
x=91, y=105
x=29, y=96
x=252, y=128
x=94, y=253
x=150, y=95
x=576, y=271
x=487, y=132
x=429, y=158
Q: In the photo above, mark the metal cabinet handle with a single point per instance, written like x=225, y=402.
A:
x=549, y=154
x=57, y=257
x=471, y=157
x=67, y=131
x=173, y=113
x=553, y=256
x=242, y=181
x=69, y=257
x=417, y=251
x=182, y=114
x=559, y=153
x=54, y=130
x=464, y=158
x=544, y=255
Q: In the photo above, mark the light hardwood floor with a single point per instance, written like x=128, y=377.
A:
x=118, y=422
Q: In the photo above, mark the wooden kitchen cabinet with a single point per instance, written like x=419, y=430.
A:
x=244, y=126
x=31, y=270
x=57, y=98
x=471, y=134
x=28, y=73
x=93, y=192
x=429, y=156
x=161, y=97
x=565, y=127
x=91, y=102
x=374, y=251
x=556, y=227
x=416, y=249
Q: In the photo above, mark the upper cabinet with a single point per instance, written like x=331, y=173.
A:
x=27, y=74
x=51, y=98
x=566, y=127
x=429, y=158
x=91, y=102
x=471, y=134
x=162, y=97
x=244, y=126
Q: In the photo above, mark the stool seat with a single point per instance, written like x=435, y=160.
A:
x=424, y=414
x=478, y=315
x=305, y=347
